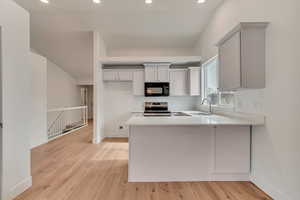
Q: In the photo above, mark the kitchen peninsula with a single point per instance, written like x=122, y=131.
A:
x=195, y=147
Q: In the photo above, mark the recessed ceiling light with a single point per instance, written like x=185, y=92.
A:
x=201, y=1
x=148, y=1
x=45, y=1
x=97, y=1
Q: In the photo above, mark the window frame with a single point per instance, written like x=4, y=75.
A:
x=204, y=83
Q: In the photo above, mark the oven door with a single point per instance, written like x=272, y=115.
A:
x=156, y=89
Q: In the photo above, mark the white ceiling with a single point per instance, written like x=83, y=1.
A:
x=61, y=30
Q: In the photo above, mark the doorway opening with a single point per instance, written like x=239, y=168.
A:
x=87, y=93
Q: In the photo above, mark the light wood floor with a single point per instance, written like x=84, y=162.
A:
x=71, y=168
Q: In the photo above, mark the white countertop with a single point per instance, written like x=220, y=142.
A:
x=138, y=119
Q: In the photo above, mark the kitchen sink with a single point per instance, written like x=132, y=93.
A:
x=180, y=114
x=198, y=113
x=191, y=114
x=201, y=113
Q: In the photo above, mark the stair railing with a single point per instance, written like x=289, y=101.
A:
x=64, y=120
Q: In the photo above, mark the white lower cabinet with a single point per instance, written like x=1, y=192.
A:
x=232, y=149
x=179, y=82
x=138, y=82
x=195, y=153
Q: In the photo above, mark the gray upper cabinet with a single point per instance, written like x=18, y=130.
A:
x=110, y=75
x=179, y=82
x=194, y=74
x=230, y=59
x=117, y=75
x=138, y=82
x=163, y=73
x=157, y=72
x=185, y=82
x=150, y=73
x=125, y=75
x=242, y=57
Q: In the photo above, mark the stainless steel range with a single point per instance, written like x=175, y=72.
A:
x=156, y=109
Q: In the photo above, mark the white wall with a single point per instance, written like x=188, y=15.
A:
x=62, y=88
x=17, y=100
x=99, y=50
x=276, y=160
x=119, y=103
x=38, y=135
x=62, y=91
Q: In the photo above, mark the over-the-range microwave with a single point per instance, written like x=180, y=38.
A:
x=157, y=89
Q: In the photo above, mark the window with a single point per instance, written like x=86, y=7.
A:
x=210, y=82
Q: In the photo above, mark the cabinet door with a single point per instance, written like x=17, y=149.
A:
x=163, y=73
x=125, y=75
x=232, y=149
x=110, y=75
x=195, y=81
x=138, y=83
x=179, y=82
x=230, y=63
x=151, y=73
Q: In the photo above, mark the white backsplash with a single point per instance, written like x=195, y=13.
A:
x=119, y=103
x=174, y=103
x=250, y=101
x=246, y=101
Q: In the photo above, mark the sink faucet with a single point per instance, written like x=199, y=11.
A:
x=209, y=102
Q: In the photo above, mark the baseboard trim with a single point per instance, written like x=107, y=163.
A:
x=20, y=187
x=97, y=140
x=162, y=180
x=270, y=190
x=212, y=177
x=39, y=143
x=230, y=177
x=116, y=136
